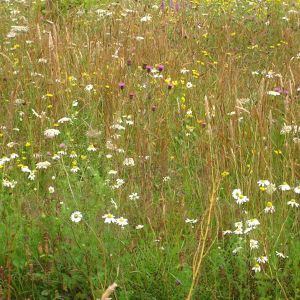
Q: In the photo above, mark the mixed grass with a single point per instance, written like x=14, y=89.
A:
x=154, y=146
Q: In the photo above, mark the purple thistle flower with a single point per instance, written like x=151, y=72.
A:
x=121, y=85
x=148, y=68
x=160, y=68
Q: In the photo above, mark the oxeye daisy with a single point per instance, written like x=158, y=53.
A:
x=269, y=208
x=284, y=187
x=256, y=268
x=293, y=203
x=76, y=216
x=109, y=218
x=122, y=222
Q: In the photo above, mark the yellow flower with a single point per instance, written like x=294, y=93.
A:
x=27, y=144
x=225, y=173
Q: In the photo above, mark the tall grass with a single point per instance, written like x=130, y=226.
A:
x=185, y=107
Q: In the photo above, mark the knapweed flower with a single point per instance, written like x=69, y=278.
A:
x=76, y=216
x=293, y=203
x=160, y=68
x=122, y=222
x=269, y=209
x=51, y=133
x=109, y=218
x=256, y=268
x=148, y=68
x=121, y=85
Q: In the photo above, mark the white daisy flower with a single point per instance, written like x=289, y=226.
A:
x=76, y=216
x=122, y=222
x=284, y=187
x=256, y=268
x=109, y=218
x=293, y=203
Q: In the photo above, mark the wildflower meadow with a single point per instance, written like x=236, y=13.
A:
x=149, y=149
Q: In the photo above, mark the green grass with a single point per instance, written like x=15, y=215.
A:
x=191, y=148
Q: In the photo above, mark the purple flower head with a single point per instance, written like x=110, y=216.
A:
x=170, y=86
x=121, y=85
x=148, y=68
x=62, y=146
x=131, y=95
x=177, y=6
x=163, y=5
x=280, y=90
x=160, y=68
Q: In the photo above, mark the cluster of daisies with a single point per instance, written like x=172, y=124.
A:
x=245, y=227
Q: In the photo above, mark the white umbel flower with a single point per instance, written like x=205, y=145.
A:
x=51, y=133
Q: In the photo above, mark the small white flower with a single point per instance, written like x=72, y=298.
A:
x=191, y=221
x=76, y=216
x=284, y=187
x=43, y=165
x=242, y=199
x=75, y=169
x=293, y=203
x=256, y=268
x=139, y=227
x=236, y=193
x=146, y=18
x=236, y=250
x=91, y=148
x=252, y=223
x=51, y=133
x=263, y=183
x=64, y=120
x=51, y=189
x=280, y=254
x=122, y=221
x=269, y=209
x=189, y=85
x=134, y=196
x=273, y=93
x=271, y=188
x=89, y=87
x=254, y=244
x=262, y=259
x=109, y=218
x=128, y=162
x=225, y=232
x=297, y=189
